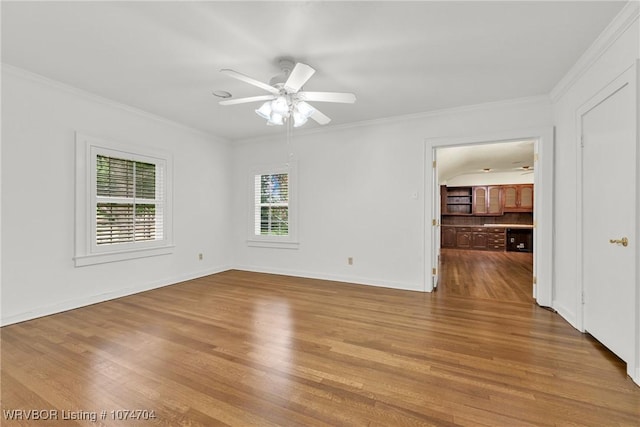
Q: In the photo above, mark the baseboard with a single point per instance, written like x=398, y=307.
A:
x=334, y=277
x=565, y=313
x=94, y=299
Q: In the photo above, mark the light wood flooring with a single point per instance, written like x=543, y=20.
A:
x=248, y=349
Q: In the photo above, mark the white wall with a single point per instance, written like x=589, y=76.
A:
x=355, y=191
x=39, y=119
x=616, y=50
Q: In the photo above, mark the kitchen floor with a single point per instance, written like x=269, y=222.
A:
x=501, y=276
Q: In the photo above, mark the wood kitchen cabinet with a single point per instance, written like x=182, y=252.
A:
x=463, y=238
x=448, y=239
x=518, y=198
x=487, y=201
x=496, y=239
x=479, y=238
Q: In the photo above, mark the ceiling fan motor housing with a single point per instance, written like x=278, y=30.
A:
x=286, y=65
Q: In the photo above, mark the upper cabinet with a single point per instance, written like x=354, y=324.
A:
x=487, y=200
x=518, y=198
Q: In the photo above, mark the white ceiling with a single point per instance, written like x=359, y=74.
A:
x=398, y=57
x=500, y=157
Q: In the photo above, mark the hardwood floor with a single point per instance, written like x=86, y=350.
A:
x=502, y=276
x=248, y=349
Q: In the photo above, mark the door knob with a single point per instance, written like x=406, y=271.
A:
x=624, y=241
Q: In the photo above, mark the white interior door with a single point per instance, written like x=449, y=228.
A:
x=435, y=222
x=608, y=126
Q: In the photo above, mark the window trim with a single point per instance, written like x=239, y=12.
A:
x=289, y=241
x=87, y=251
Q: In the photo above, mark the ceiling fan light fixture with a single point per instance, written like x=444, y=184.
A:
x=305, y=109
x=301, y=113
x=265, y=111
x=299, y=119
x=275, y=119
x=274, y=112
x=280, y=105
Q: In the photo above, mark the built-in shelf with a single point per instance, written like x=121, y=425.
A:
x=457, y=201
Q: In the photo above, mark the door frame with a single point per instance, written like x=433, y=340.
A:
x=543, y=203
x=628, y=76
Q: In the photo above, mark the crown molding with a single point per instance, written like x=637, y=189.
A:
x=29, y=75
x=509, y=103
x=39, y=78
x=623, y=20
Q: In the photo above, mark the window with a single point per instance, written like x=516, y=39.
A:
x=273, y=219
x=272, y=204
x=122, y=202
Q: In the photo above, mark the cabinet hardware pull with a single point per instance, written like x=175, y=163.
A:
x=624, y=241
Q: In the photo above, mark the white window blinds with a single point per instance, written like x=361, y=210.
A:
x=129, y=200
x=271, y=193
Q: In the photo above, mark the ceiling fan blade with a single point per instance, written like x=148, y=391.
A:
x=250, y=80
x=319, y=117
x=245, y=100
x=299, y=76
x=343, y=97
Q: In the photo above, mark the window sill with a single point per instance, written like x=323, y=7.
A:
x=272, y=244
x=102, y=258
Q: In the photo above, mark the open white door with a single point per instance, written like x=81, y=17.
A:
x=543, y=220
x=435, y=222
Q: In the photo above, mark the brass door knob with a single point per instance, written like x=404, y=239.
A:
x=624, y=241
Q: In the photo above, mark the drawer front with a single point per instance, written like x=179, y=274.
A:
x=464, y=229
x=495, y=230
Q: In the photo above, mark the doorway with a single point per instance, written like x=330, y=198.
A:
x=486, y=220
x=541, y=141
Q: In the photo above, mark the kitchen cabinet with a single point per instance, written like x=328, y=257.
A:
x=463, y=238
x=518, y=198
x=480, y=200
x=496, y=239
x=490, y=200
x=487, y=201
x=448, y=239
x=479, y=238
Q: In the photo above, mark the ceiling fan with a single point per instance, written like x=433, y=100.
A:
x=285, y=99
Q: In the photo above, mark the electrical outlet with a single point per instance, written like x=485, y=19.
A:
x=200, y=257
x=350, y=260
